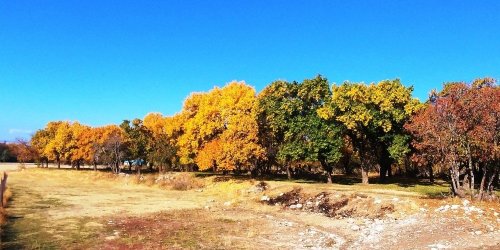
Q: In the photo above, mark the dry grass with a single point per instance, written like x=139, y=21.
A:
x=86, y=209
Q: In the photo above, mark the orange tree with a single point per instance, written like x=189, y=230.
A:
x=459, y=128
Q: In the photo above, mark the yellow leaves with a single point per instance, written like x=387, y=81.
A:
x=155, y=122
x=358, y=105
x=224, y=121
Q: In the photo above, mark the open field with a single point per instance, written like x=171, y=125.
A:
x=54, y=209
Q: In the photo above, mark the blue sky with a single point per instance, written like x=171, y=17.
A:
x=99, y=62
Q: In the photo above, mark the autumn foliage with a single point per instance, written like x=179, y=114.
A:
x=307, y=127
x=459, y=129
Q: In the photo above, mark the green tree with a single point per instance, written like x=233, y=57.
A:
x=292, y=128
x=136, y=141
x=373, y=116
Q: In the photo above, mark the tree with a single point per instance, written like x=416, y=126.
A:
x=161, y=147
x=6, y=153
x=60, y=144
x=373, y=116
x=136, y=139
x=291, y=125
x=111, y=146
x=23, y=151
x=228, y=116
x=459, y=128
x=41, y=140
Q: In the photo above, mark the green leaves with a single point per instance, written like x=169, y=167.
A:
x=290, y=120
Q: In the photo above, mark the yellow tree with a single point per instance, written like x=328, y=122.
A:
x=41, y=139
x=373, y=116
x=56, y=135
x=110, y=146
x=220, y=129
x=85, y=145
x=163, y=132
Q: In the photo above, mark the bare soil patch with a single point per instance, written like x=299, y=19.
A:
x=60, y=209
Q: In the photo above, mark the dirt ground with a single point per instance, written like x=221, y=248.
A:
x=61, y=209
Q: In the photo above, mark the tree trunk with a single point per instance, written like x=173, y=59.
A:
x=95, y=166
x=77, y=165
x=329, y=171
x=455, y=180
x=471, y=169
x=364, y=175
x=431, y=173
x=58, y=163
x=329, y=178
x=289, y=172
x=490, y=182
x=385, y=165
x=483, y=182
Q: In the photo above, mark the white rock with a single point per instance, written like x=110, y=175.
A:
x=495, y=214
x=355, y=228
x=478, y=232
x=227, y=203
x=438, y=246
x=465, y=202
x=395, y=199
x=299, y=205
x=377, y=201
x=454, y=207
x=265, y=198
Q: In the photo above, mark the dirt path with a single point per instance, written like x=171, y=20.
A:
x=54, y=209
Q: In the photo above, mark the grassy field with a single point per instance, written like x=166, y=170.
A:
x=65, y=209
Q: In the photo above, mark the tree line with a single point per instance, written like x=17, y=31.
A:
x=307, y=127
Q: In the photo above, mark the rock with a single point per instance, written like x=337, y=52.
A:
x=465, y=203
x=355, y=228
x=395, y=199
x=454, y=207
x=299, y=206
x=265, y=198
x=437, y=246
x=227, y=203
x=478, y=232
x=442, y=208
x=377, y=201
x=495, y=214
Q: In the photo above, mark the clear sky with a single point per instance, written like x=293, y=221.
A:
x=100, y=62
